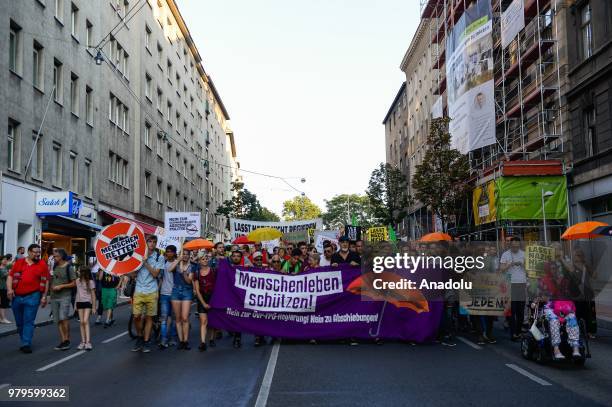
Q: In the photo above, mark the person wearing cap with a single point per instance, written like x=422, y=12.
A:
x=259, y=249
x=344, y=255
x=258, y=260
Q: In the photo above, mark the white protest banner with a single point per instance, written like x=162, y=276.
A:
x=322, y=235
x=240, y=227
x=182, y=224
x=512, y=22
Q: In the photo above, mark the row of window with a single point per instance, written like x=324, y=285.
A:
x=173, y=200
x=36, y=168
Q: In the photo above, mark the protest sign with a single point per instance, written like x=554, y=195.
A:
x=296, y=237
x=377, y=234
x=352, y=232
x=535, y=257
x=182, y=224
x=269, y=245
x=490, y=294
x=164, y=241
x=321, y=236
x=120, y=248
x=312, y=305
x=240, y=227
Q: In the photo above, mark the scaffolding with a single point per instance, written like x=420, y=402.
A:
x=528, y=114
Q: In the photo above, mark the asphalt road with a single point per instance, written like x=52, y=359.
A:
x=299, y=374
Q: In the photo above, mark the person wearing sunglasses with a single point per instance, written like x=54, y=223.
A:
x=275, y=263
x=328, y=251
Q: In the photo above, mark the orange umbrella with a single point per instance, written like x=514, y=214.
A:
x=436, y=237
x=582, y=230
x=401, y=298
x=198, y=244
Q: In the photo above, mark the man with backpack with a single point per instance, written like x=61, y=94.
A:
x=62, y=282
x=146, y=295
x=27, y=285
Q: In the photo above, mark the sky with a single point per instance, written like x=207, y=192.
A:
x=306, y=84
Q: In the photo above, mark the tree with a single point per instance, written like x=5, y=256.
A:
x=341, y=208
x=388, y=195
x=440, y=180
x=245, y=205
x=300, y=208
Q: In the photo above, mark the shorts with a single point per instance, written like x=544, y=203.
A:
x=4, y=301
x=109, y=298
x=145, y=304
x=201, y=309
x=62, y=309
x=182, y=293
x=84, y=305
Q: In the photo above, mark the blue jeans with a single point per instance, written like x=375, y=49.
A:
x=24, y=309
x=165, y=311
x=182, y=293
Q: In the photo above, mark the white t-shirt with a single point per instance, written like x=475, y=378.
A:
x=324, y=262
x=517, y=273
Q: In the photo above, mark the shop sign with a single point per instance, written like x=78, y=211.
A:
x=54, y=203
x=87, y=213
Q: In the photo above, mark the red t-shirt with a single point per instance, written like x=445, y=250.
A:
x=29, y=278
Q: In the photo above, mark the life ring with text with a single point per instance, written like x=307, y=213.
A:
x=121, y=248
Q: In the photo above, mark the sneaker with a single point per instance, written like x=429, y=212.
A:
x=6, y=321
x=257, y=342
x=353, y=342
x=138, y=345
x=88, y=346
x=212, y=343
x=378, y=341
x=111, y=322
x=146, y=348
x=186, y=346
x=98, y=320
x=312, y=341
x=163, y=344
x=491, y=340
x=481, y=340
x=26, y=349
x=448, y=342
x=172, y=342
x=181, y=346
x=81, y=346
x=63, y=346
x=202, y=347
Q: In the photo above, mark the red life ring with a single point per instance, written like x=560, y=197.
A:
x=121, y=248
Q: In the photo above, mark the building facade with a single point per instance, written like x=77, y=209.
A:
x=590, y=104
x=109, y=101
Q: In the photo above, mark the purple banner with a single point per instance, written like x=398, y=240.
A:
x=319, y=304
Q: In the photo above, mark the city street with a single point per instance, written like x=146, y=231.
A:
x=303, y=374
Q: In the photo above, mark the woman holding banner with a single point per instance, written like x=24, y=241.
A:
x=182, y=296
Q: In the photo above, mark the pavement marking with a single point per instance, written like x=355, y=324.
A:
x=528, y=375
x=115, y=337
x=2, y=386
x=266, y=383
x=67, y=358
x=469, y=343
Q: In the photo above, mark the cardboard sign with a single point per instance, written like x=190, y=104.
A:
x=378, y=234
x=121, y=248
x=182, y=224
x=164, y=241
x=490, y=294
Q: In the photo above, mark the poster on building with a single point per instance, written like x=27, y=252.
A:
x=437, y=109
x=469, y=73
x=490, y=295
x=483, y=204
x=377, y=234
x=182, y=224
x=520, y=198
x=535, y=258
x=512, y=22
x=240, y=227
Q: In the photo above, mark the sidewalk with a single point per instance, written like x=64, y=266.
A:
x=43, y=317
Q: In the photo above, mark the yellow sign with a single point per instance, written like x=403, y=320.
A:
x=490, y=294
x=535, y=258
x=483, y=204
x=311, y=232
x=377, y=234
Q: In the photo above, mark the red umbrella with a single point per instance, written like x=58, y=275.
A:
x=242, y=240
x=401, y=298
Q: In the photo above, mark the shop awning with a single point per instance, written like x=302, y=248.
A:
x=82, y=222
x=146, y=228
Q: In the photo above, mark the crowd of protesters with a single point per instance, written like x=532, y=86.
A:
x=170, y=282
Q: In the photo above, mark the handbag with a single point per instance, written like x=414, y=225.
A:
x=130, y=288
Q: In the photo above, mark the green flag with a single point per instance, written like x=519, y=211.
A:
x=392, y=235
x=354, y=221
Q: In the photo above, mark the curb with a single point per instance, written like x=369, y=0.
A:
x=48, y=322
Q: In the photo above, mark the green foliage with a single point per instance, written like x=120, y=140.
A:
x=440, y=181
x=339, y=207
x=300, y=208
x=388, y=195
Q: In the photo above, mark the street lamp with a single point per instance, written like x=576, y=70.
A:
x=99, y=58
x=546, y=194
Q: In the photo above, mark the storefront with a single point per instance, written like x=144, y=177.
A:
x=66, y=223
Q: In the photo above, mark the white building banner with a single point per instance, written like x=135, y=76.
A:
x=183, y=224
x=469, y=73
x=239, y=227
x=512, y=22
